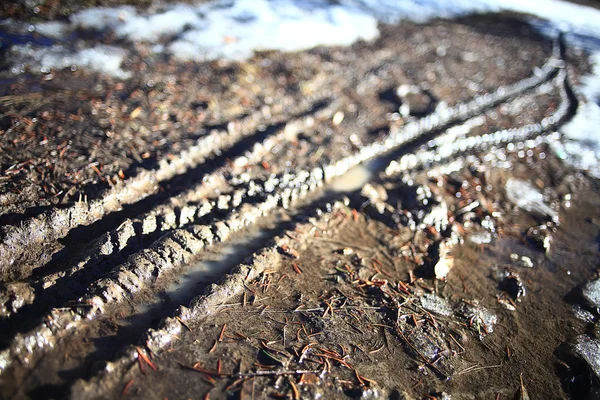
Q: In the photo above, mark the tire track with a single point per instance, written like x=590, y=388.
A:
x=228, y=290
x=190, y=207
x=56, y=224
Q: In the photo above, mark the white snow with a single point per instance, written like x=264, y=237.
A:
x=101, y=58
x=564, y=15
x=103, y=17
x=52, y=29
x=234, y=30
x=581, y=143
x=150, y=28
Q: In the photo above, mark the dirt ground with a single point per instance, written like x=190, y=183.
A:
x=202, y=230
x=345, y=308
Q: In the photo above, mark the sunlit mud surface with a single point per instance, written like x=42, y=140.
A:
x=410, y=216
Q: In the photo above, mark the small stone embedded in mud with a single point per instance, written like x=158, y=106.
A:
x=521, y=261
x=446, y=262
x=346, y=251
x=443, y=267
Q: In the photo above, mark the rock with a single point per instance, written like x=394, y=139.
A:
x=522, y=261
x=590, y=293
x=589, y=350
x=14, y=296
x=583, y=356
x=446, y=262
x=443, y=267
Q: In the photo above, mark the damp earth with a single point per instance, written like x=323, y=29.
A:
x=405, y=217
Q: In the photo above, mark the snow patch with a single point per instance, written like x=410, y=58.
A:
x=52, y=29
x=581, y=144
x=234, y=30
x=565, y=16
x=105, y=59
x=101, y=18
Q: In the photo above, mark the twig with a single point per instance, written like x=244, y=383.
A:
x=475, y=368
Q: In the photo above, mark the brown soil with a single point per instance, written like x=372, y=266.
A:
x=334, y=312
x=105, y=208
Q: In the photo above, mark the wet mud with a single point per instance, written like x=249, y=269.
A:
x=377, y=221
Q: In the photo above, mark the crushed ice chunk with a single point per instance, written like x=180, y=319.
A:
x=435, y=304
x=583, y=314
x=525, y=196
x=591, y=293
x=588, y=350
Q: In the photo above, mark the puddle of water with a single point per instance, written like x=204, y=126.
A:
x=352, y=180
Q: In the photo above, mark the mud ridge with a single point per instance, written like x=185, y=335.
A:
x=57, y=223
